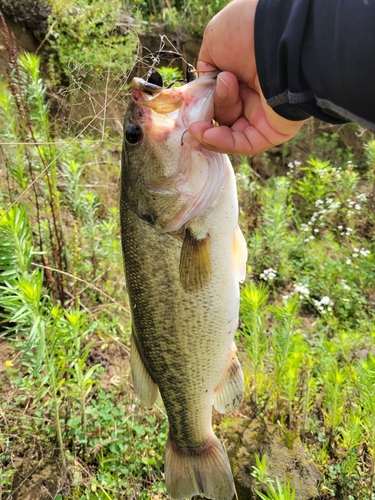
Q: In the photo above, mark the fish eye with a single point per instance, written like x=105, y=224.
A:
x=133, y=134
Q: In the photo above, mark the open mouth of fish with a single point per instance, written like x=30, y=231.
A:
x=157, y=98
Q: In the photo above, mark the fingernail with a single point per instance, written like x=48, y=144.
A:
x=222, y=87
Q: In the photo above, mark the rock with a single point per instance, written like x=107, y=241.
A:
x=33, y=14
x=286, y=458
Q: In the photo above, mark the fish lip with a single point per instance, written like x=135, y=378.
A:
x=146, y=87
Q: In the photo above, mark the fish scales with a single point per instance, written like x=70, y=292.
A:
x=184, y=308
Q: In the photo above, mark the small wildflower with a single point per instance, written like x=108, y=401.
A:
x=325, y=300
x=364, y=252
x=268, y=274
x=301, y=289
x=340, y=227
x=348, y=261
x=361, y=197
x=322, y=304
x=8, y=363
x=316, y=230
x=357, y=206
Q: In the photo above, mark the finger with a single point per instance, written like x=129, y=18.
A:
x=227, y=100
x=205, y=61
x=224, y=140
x=204, y=67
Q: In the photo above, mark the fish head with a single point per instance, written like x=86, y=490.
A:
x=162, y=163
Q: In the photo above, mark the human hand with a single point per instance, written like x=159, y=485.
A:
x=247, y=124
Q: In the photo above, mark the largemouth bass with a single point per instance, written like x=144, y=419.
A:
x=184, y=258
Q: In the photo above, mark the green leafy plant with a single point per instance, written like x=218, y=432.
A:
x=283, y=492
x=86, y=39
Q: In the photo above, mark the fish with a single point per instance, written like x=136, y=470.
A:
x=184, y=257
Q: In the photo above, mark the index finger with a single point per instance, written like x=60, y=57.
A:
x=205, y=61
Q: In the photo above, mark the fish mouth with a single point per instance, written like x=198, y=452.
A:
x=146, y=87
x=152, y=96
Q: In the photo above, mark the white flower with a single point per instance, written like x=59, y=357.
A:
x=364, y=252
x=322, y=303
x=293, y=164
x=348, y=261
x=301, y=289
x=325, y=300
x=268, y=274
x=318, y=203
x=357, y=206
x=316, y=230
x=340, y=227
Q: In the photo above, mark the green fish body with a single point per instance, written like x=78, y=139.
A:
x=184, y=258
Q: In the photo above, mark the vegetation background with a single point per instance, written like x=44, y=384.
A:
x=70, y=426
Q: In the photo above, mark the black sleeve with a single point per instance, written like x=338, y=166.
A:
x=317, y=57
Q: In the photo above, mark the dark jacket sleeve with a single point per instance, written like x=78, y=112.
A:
x=317, y=57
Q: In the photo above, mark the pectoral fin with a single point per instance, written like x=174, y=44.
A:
x=144, y=386
x=195, y=262
x=229, y=394
x=239, y=255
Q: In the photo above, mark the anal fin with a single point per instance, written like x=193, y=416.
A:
x=195, y=262
x=205, y=470
x=144, y=386
x=229, y=394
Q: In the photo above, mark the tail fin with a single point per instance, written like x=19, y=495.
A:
x=204, y=471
